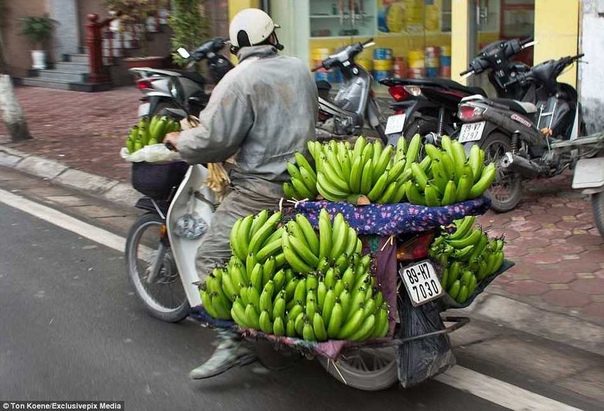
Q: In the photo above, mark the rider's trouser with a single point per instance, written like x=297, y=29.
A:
x=215, y=247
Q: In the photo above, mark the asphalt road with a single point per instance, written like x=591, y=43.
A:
x=73, y=330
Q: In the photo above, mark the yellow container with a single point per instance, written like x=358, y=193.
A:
x=366, y=63
x=416, y=59
x=445, y=50
x=382, y=65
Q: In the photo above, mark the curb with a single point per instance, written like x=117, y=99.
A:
x=491, y=307
x=59, y=173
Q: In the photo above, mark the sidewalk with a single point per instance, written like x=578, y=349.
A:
x=555, y=290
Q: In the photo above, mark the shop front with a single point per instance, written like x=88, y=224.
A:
x=421, y=38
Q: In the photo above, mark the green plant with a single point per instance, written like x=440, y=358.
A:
x=37, y=29
x=189, y=26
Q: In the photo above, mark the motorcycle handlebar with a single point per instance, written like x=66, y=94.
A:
x=466, y=72
x=526, y=40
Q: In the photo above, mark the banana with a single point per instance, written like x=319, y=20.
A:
x=293, y=171
x=339, y=236
x=448, y=165
x=463, y=253
x=345, y=301
x=479, y=247
x=290, y=192
x=266, y=297
x=454, y=271
x=464, y=185
x=355, y=175
x=257, y=276
x=233, y=240
x=279, y=308
x=389, y=194
x=359, y=145
x=475, y=162
x=323, y=265
x=295, y=311
x=351, y=325
x=400, y=193
x=379, y=187
x=238, y=314
x=313, y=147
x=365, y=330
x=257, y=222
x=206, y=301
x=382, y=162
x=312, y=283
x=498, y=261
x=444, y=279
x=321, y=294
x=345, y=164
x=459, y=157
x=426, y=164
x=290, y=329
x=431, y=196
x=413, y=150
x=265, y=323
x=243, y=236
x=445, y=143
x=310, y=182
x=351, y=240
x=420, y=177
x=484, y=182
x=299, y=323
x=278, y=327
x=300, y=291
x=366, y=177
x=252, y=317
x=309, y=233
x=318, y=326
x=471, y=239
x=304, y=164
x=450, y=193
x=334, y=324
x=377, y=151
x=401, y=146
x=230, y=290
x=348, y=277
x=301, y=188
x=463, y=294
x=263, y=232
x=463, y=227
x=454, y=289
x=279, y=280
x=268, y=271
x=308, y=333
x=302, y=250
x=328, y=305
x=253, y=296
x=396, y=171
x=370, y=306
x=439, y=176
x=325, y=234
x=269, y=250
x=342, y=262
x=328, y=190
x=433, y=152
x=334, y=172
x=382, y=325
x=413, y=193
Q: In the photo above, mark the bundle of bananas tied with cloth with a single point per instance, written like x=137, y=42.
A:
x=218, y=179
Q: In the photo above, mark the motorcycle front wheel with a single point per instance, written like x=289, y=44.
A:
x=597, y=202
x=506, y=191
x=152, y=270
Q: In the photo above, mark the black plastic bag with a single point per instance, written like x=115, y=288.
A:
x=427, y=356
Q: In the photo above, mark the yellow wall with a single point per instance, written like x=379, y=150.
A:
x=236, y=6
x=459, y=42
x=557, y=32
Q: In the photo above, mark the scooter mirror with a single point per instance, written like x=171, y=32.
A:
x=183, y=53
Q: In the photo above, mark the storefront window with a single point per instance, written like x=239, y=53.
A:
x=413, y=37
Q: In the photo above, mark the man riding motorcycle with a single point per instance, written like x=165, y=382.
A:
x=261, y=112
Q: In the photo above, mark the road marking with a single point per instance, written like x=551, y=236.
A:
x=499, y=392
x=64, y=221
x=464, y=379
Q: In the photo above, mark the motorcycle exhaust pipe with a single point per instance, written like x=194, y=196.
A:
x=516, y=164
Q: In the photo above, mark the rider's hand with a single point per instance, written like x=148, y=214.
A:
x=172, y=138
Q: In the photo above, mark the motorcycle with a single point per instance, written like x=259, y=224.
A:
x=528, y=140
x=354, y=106
x=178, y=89
x=429, y=106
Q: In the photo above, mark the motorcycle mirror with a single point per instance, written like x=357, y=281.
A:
x=183, y=53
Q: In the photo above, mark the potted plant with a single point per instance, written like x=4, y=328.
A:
x=38, y=30
x=189, y=26
x=136, y=22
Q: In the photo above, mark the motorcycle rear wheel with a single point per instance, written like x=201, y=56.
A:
x=506, y=191
x=597, y=202
x=164, y=298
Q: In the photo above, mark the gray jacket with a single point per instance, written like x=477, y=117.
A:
x=262, y=111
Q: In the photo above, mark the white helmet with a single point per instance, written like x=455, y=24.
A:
x=251, y=27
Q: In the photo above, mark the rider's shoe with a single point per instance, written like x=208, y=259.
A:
x=229, y=353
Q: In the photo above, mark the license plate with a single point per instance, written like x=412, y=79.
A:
x=471, y=131
x=143, y=109
x=395, y=124
x=421, y=282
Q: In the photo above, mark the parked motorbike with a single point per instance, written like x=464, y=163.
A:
x=429, y=106
x=178, y=89
x=354, y=105
x=528, y=140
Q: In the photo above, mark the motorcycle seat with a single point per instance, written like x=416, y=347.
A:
x=193, y=76
x=518, y=106
x=435, y=82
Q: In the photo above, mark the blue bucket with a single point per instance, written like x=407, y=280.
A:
x=382, y=54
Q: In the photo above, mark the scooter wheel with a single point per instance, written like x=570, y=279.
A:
x=161, y=292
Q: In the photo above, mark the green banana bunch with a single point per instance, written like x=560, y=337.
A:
x=467, y=256
x=446, y=175
x=150, y=131
x=303, y=183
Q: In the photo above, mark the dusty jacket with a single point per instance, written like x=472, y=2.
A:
x=263, y=110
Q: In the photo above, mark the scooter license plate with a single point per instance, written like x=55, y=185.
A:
x=471, y=131
x=143, y=109
x=395, y=124
x=421, y=282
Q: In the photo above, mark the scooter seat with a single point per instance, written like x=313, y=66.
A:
x=518, y=106
x=193, y=76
